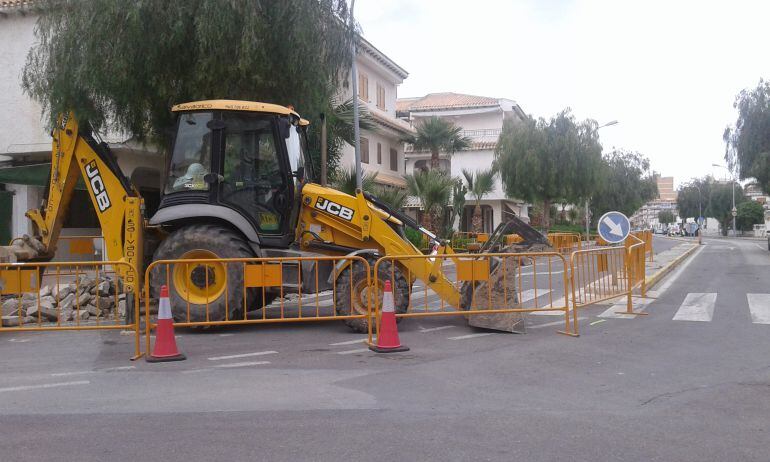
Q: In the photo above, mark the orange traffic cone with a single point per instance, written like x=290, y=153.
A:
x=387, y=334
x=165, y=343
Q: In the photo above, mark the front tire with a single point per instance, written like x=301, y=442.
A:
x=352, y=291
x=202, y=291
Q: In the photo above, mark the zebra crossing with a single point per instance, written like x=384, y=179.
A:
x=700, y=307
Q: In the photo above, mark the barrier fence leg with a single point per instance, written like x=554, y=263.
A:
x=632, y=268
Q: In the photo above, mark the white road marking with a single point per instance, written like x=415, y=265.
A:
x=529, y=294
x=109, y=369
x=759, y=306
x=253, y=363
x=45, y=385
x=554, y=323
x=558, y=303
x=697, y=307
x=18, y=340
x=226, y=335
x=639, y=305
x=675, y=275
x=349, y=342
x=244, y=355
x=463, y=337
x=434, y=329
x=350, y=352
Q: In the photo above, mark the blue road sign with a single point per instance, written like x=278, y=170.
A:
x=614, y=227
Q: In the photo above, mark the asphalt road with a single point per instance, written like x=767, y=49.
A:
x=688, y=382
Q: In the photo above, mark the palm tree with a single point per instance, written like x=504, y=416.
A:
x=395, y=198
x=345, y=180
x=436, y=134
x=434, y=189
x=480, y=183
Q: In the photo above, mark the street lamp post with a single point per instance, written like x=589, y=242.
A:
x=700, y=215
x=734, y=211
x=588, y=219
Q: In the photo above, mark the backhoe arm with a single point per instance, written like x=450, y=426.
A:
x=76, y=154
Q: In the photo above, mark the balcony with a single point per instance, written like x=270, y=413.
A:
x=482, y=133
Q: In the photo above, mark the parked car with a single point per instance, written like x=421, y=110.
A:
x=674, y=230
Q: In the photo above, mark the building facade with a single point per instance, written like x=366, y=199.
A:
x=381, y=149
x=647, y=216
x=481, y=119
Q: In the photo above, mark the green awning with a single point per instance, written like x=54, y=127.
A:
x=32, y=175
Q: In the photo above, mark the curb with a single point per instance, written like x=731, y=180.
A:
x=651, y=280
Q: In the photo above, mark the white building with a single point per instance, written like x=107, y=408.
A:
x=481, y=119
x=381, y=151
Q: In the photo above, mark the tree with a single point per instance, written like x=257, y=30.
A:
x=626, y=184
x=395, y=198
x=721, y=203
x=345, y=181
x=665, y=217
x=693, y=198
x=459, y=190
x=433, y=188
x=124, y=67
x=545, y=160
x=747, y=143
x=435, y=135
x=750, y=213
x=480, y=183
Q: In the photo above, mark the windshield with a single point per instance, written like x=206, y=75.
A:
x=191, y=158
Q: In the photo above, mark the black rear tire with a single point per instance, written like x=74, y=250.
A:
x=221, y=285
x=352, y=287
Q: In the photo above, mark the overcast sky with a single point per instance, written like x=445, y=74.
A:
x=668, y=71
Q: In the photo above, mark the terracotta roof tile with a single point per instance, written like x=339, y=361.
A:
x=15, y=3
x=444, y=101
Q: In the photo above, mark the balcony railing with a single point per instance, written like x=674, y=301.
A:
x=482, y=133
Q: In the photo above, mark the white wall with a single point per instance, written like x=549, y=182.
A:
x=24, y=198
x=22, y=129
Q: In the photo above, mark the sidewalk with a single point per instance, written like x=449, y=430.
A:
x=667, y=260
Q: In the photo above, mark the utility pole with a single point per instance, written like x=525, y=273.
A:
x=354, y=78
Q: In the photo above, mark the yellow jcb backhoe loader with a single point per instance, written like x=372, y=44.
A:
x=239, y=184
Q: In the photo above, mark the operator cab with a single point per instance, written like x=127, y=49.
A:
x=238, y=162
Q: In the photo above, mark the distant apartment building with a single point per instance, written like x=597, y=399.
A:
x=481, y=119
x=381, y=150
x=647, y=215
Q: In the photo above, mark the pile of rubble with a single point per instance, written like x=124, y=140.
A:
x=77, y=301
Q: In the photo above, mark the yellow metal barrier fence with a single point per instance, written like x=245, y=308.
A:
x=605, y=273
x=486, y=283
x=217, y=292
x=68, y=296
x=565, y=243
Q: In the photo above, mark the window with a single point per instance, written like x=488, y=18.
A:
x=363, y=86
x=380, y=96
x=393, y=160
x=379, y=154
x=364, y=150
x=191, y=158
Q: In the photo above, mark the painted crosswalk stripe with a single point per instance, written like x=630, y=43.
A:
x=638, y=305
x=434, y=329
x=244, y=355
x=464, y=337
x=44, y=385
x=759, y=306
x=245, y=364
x=697, y=307
x=350, y=352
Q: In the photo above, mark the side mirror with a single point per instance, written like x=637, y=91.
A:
x=213, y=178
x=300, y=173
x=284, y=127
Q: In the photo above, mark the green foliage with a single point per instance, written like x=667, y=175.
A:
x=665, y=217
x=395, y=198
x=567, y=228
x=435, y=135
x=345, y=181
x=626, y=184
x=480, y=183
x=121, y=65
x=459, y=190
x=545, y=160
x=748, y=142
x=721, y=203
x=415, y=237
x=433, y=188
x=690, y=196
x=750, y=213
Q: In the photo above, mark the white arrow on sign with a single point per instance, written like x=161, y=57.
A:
x=615, y=228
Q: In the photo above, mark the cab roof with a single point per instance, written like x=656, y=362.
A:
x=235, y=105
